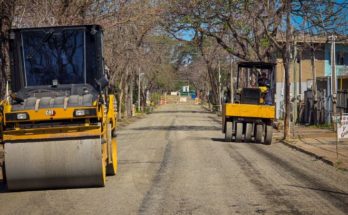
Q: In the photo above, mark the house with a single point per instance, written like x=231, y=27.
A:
x=302, y=72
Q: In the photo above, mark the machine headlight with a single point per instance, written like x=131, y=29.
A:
x=22, y=116
x=17, y=116
x=80, y=112
x=85, y=112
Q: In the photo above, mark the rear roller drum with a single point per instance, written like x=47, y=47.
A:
x=258, y=133
x=104, y=171
x=239, y=132
x=248, y=132
x=268, y=135
x=228, y=132
x=111, y=168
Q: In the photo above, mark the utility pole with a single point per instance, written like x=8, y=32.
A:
x=232, y=84
x=300, y=76
x=333, y=75
x=220, y=105
x=294, y=109
x=286, y=63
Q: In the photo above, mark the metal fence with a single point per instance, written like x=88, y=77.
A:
x=314, y=111
x=342, y=101
x=318, y=111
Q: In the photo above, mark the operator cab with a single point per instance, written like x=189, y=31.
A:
x=255, y=83
x=56, y=65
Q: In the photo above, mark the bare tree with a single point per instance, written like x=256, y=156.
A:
x=250, y=30
x=127, y=25
x=6, y=16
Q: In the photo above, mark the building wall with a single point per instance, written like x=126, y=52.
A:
x=279, y=97
x=341, y=70
x=306, y=77
x=306, y=67
x=323, y=72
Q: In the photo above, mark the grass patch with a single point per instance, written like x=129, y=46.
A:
x=338, y=166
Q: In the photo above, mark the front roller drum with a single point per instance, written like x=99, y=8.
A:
x=228, y=132
x=111, y=168
x=258, y=133
x=54, y=164
x=248, y=132
x=268, y=135
x=239, y=132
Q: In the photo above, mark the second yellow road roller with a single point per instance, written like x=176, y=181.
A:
x=249, y=113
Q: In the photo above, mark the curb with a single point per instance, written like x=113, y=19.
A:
x=206, y=108
x=130, y=120
x=323, y=159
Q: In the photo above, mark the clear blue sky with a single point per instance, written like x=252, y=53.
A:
x=296, y=21
x=186, y=34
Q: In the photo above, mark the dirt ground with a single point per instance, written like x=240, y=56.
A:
x=174, y=161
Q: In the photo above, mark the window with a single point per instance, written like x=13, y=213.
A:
x=50, y=55
x=340, y=58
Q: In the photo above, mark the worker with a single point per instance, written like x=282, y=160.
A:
x=263, y=80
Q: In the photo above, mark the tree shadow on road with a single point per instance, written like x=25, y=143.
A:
x=179, y=128
x=3, y=188
x=173, y=111
x=218, y=139
x=125, y=162
x=233, y=142
x=320, y=189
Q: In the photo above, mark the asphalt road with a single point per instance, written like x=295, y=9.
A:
x=175, y=161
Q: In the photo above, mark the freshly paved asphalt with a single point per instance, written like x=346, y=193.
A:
x=174, y=161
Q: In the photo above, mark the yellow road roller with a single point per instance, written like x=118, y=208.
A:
x=248, y=113
x=58, y=120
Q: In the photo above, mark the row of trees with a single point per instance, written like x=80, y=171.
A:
x=259, y=30
x=133, y=38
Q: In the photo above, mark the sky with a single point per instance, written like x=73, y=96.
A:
x=186, y=34
x=297, y=22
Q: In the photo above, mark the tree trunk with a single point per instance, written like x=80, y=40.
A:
x=214, y=96
x=120, y=98
x=286, y=63
x=131, y=88
x=6, y=10
x=143, y=98
x=126, y=99
x=314, y=86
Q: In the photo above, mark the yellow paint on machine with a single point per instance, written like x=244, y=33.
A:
x=249, y=110
x=52, y=133
x=112, y=113
x=59, y=114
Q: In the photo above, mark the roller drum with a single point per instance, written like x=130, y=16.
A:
x=54, y=164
